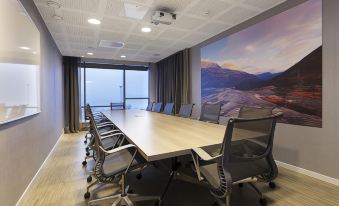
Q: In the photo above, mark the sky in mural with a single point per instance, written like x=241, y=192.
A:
x=273, y=45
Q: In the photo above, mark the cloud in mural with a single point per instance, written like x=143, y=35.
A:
x=275, y=63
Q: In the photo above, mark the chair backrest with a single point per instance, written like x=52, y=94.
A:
x=210, y=113
x=249, y=138
x=149, y=106
x=245, y=144
x=158, y=107
x=168, y=108
x=185, y=110
x=253, y=112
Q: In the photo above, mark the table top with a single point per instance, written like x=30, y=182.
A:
x=159, y=136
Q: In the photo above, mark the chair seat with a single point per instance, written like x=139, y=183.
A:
x=118, y=162
x=238, y=171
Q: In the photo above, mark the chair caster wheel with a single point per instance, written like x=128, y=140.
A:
x=87, y=154
x=240, y=185
x=89, y=179
x=139, y=176
x=87, y=195
x=271, y=185
x=263, y=201
x=87, y=149
x=84, y=163
x=85, y=142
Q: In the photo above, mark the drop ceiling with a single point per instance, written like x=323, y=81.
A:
x=197, y=20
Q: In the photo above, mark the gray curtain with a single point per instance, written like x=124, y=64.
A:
x=72, y=104
x=173, y=79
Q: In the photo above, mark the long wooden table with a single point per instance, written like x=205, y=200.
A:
x=159, y=136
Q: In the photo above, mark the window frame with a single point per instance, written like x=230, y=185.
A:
x=85, y=65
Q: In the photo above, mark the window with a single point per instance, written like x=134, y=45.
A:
x=104, y=89
x=136, y=89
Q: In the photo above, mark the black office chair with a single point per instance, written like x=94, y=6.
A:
x=255, y=112
x=158, y=107
x=168, y=109
x=112, y=166
x=149, y=106
x=186, y=110
x=210, y=113
x=245, y=157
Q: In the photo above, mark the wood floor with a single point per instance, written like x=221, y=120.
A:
x=62, y=181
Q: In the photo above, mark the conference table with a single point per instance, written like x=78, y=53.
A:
x=158, y=136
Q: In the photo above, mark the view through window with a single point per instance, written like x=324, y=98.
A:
x=106, y=89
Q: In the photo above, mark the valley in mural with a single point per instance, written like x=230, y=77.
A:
x=275, y=63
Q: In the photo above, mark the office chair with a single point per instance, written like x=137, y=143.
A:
x=112, y=166
x=102, y=122
x=157, y=107
x=149, y=106
x=255, y=112
x=186, y=110
x=168, y=109
x=210, y=113
x=246, y=159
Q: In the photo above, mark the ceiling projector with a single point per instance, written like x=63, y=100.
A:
x=161, y=17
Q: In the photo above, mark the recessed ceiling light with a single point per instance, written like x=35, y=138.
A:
x=146, y=29
x=24, y=48
x=90, y=53
x=123, y=56
x=53, y=4
x=34, y=52
x=94, y=21
x=82, y=56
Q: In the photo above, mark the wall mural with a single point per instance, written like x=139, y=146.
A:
x=275, y=63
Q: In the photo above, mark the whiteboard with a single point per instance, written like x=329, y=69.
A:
x=19, y=63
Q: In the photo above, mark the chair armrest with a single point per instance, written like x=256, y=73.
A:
x=109, y=132
x=118, y=149
x=204, y=155
x=111, y=135
x=104, y=124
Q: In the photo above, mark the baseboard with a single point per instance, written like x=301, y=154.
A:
x=49, y=154
x=309, y=173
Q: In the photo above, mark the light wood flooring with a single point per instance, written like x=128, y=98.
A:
x=62, y=181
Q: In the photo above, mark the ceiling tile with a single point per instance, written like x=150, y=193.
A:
x=213, y=28
x=82, y=5
x=263, y=4
x=74, y=35
x=172, y=33
x=213, y=7
x=116, y=25
x=237, y=15
x=112, y=36
x=187, y=22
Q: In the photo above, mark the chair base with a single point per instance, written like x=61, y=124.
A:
x=127, y=199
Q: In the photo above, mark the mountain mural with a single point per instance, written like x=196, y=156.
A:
x=297, y=91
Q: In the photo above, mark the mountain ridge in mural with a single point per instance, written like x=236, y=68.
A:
x=297, y=91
